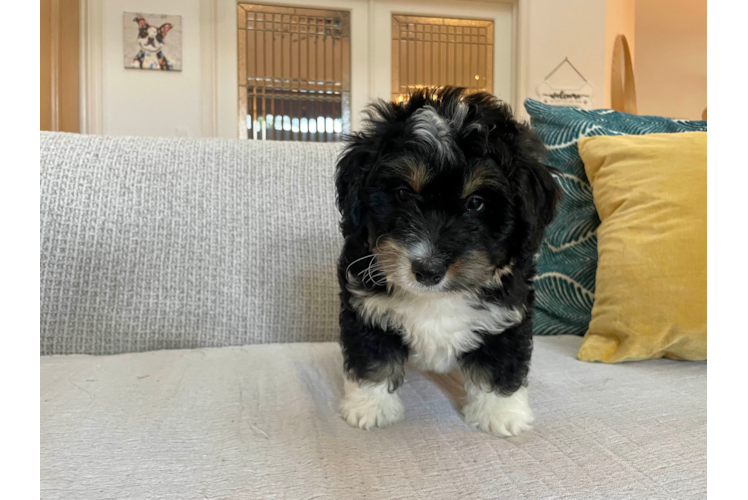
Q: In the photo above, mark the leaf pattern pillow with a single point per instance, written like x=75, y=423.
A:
x=567, y=259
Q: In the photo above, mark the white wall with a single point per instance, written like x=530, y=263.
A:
x=566, y=28
x=151, y=103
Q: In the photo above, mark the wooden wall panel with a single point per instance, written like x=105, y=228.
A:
x=69, y=66
x=60, y=65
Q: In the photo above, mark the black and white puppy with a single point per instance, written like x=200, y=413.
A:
x=444, y=201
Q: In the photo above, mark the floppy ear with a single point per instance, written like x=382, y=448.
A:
x=539, y=194
x=141, y=22
x=353, y=166
x=164, y=29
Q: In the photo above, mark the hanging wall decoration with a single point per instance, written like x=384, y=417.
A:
x=152, y=41
x=565, y=86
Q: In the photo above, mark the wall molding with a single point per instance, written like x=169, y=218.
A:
x=91, y=68
x=209, y=67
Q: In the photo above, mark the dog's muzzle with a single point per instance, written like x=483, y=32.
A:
x=429, y=272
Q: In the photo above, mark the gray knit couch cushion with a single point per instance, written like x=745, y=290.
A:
x=150, y=243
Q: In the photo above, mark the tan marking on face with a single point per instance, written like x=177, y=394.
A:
x=499, y=273
x=476, y=179
x=416, y=174
x=394, y=260
x=470, y=270
x=503, y=271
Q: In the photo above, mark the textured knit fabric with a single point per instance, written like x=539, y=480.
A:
x=150, y=243
x=650, y=192
x=567, y=260
x=260, y=422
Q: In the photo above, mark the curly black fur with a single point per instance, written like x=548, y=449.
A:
x=449, y=138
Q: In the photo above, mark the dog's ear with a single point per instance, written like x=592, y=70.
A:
x=141, y=22
x=538, y=194
x=354, y=164
x=164, y=29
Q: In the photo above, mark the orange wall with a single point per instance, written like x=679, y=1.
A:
x=670, y=64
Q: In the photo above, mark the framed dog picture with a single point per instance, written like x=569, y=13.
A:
x=152, y=41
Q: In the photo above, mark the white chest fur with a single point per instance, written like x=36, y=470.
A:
x=437, y=327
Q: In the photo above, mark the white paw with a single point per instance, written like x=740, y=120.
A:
x=502, y=416
x=368, y=405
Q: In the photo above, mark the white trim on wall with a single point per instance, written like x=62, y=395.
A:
x=91, y=68
x=521, y=48
x=209, y=74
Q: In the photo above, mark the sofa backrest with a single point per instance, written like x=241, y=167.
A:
x=152, y=243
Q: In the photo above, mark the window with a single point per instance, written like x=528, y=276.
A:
x=294, y=73
x=436, y=51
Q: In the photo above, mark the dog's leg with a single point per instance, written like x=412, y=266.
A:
x=496, y=373
x=374, y=370
x=498, y=414
x=367, y=405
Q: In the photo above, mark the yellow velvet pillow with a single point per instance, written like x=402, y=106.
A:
x=650, y=299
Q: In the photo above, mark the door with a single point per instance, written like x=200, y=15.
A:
x=59, y=71
x=468, y=44
x=476, y=48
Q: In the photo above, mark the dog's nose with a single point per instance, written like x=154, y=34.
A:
x=429, y=272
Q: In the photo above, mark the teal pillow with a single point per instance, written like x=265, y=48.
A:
x=567, y=259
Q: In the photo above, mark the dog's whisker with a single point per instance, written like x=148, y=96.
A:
x=370, y=256
x=368, y=275
x=376, y=243
x=374, y=268
x=377, y=281
x=371, y=269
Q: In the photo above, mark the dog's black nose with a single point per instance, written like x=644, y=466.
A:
x=429, y=272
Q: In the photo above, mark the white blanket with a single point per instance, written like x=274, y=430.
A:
x=261, y=422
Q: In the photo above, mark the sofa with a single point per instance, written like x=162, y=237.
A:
x=189, y=350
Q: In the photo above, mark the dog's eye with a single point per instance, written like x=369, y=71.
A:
x=402, y=194
x=475, y=204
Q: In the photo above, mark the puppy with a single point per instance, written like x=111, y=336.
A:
x=444, y=201
x=151, y=41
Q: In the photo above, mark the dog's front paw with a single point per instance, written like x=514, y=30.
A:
x=370, y=405
x=502, y=416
